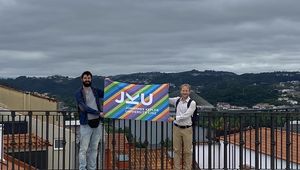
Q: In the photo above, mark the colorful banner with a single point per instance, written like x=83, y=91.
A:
x=134, y=101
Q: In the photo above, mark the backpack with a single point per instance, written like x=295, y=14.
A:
x=195, y=115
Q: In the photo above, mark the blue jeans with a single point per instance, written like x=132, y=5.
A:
x=89, y=141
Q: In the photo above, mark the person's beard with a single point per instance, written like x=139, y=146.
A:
x=87, y=83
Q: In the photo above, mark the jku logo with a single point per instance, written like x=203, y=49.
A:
x=132, y=99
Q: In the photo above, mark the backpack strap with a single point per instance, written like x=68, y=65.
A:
x=189, y=103
x=177, y=102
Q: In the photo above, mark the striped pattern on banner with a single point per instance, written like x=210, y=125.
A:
x=136, y=101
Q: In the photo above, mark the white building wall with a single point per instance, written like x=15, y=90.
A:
x=55, y=157
x=233, y=158
x=1, y=144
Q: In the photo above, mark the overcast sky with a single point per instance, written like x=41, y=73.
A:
x=109, y=37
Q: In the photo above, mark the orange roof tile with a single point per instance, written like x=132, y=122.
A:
x=22, y=141
x=138, y=159
x=264, y=137
x=137, y=155
x=120, y=142
x=17, y=164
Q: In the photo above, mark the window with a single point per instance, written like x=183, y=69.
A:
x=123, y=157
x=58, y=144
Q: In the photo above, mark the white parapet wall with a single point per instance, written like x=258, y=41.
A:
x=1, y=144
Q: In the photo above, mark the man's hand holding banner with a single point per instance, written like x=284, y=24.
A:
x=135, y=101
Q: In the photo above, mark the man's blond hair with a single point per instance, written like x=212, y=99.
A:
x=185, y=85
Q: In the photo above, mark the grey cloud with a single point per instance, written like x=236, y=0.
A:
x=112, y=36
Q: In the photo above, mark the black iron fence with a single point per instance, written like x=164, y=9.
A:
x=261, y=139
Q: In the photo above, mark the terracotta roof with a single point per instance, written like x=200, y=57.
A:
x=265, y=142
x=22, y=141
x=17, y=164
x=121, y=144
x=138, y=159
x=137, y=155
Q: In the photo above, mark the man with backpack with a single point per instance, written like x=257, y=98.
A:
x=182, y=131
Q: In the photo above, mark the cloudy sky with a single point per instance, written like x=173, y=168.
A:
x=109, y=37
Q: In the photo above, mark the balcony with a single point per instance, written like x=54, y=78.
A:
x=250, y=139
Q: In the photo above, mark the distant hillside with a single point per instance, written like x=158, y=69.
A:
x=214, y=86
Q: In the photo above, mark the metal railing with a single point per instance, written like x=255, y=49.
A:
x=255, y=139
x=265, y=139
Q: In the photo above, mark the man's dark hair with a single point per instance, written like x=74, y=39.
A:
x=88, y=73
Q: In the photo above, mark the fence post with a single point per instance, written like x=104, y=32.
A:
x=288, y=142
x=257, y=142
x=209, y=142
x=241, y=143
x=225, y=141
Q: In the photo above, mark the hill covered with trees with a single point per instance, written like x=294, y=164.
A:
x=214, y=86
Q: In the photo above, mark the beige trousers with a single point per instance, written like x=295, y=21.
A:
x=182, y=143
